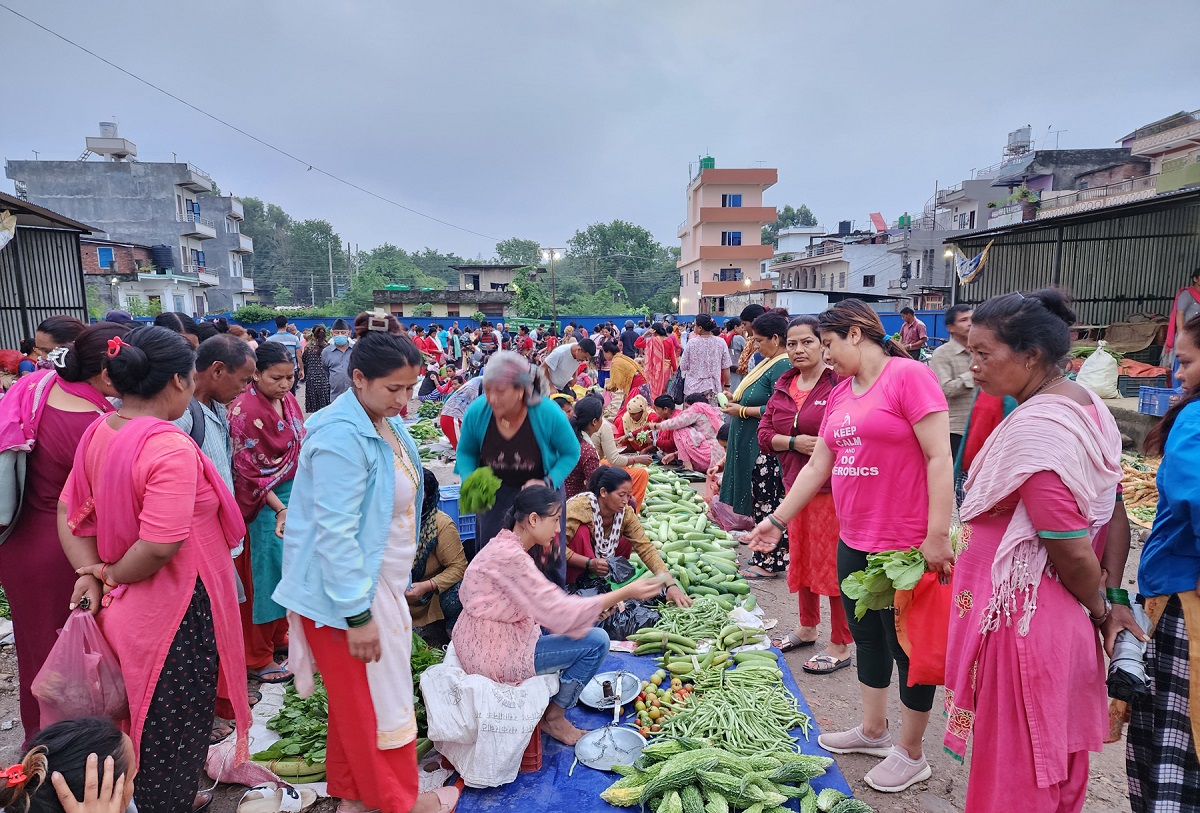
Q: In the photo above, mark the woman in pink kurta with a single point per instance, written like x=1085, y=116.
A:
x=660, y=358
x=694, y=431
x=151, y=527
x=1025, y=678
x=507, y=602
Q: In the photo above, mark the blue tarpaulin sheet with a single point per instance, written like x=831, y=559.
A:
x=552, y=789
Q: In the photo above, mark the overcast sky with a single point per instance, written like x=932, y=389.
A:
x=534, y=118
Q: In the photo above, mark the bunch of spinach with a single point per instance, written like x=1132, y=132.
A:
x=423, y=657
x=875, y=587
x=302, y=724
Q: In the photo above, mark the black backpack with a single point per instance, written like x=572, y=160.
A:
x=197, y=413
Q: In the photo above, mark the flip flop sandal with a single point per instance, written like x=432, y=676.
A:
x=281, y=654
x=221, y=730
x=261, y=677
x=832, y=664
x=206, y=804
x=792, y=641
x=254, y=696
x=754, y=576
x=271, y=798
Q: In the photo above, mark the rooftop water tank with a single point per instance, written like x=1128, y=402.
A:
x=708, y=162
x=163, y=258
x=108, y=129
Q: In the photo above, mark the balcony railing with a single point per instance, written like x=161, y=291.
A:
x=198, y=171
x=1164, y=126
x=1061, y=199
x=822, y=250
x=192, y=270
x=190, y=217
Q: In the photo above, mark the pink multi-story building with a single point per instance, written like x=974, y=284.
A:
x=721, y=238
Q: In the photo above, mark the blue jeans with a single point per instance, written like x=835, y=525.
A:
x=576, y=659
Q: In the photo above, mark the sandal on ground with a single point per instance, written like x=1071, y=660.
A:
x=281, y=654
x=271, y=798
x=793, y=641
x=254, y=697
x=207, y=796
x=221, y=729
x=756, y=576
x=823, y=664
x=284, y=676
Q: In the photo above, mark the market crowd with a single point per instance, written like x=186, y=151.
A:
x=224, y=534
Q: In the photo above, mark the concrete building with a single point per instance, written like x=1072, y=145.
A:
x=1170, y=148
x=111, y=268
x=226, y=252
x=481, y=287
x=162, y=205
x=721, y=237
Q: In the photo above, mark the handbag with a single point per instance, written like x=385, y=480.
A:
x=675, y=387
x=12, y=472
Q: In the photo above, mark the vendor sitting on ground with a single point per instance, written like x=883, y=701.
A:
x=601, y=523
x=664, y=409
x=507, y=602
x=635, y=426
x=437, y=570
x=694, y=433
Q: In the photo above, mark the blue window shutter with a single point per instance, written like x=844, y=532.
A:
x=200, y=257
x=105, y=257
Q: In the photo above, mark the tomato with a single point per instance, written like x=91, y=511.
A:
x=640, y=705
x=655, y=702
x=655, y=713
x=654, y=729
x=676, y=683
x=644, y=731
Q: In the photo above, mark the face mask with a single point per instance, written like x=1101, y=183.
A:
x=341, y=341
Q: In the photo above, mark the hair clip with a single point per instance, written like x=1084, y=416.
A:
x=114, y=346
x=58, y=356
x=377, y=324
x=14, y=776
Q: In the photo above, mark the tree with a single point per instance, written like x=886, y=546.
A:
x=787, y=217
x=532, y=300
x=282, y=294
x=516, y=250
x=627, y=253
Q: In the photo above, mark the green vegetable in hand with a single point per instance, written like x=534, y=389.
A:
x=478, y=491
x=874, y=588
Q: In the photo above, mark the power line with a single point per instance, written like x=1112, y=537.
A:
x=311, y=167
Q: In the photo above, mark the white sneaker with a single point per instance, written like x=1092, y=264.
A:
x=898, y=772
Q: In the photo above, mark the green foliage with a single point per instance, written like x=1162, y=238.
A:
x=625, y=252
x=874, y=588
x=478, y=491
x=478, y=316
x=250, y=314
x=532, y=299
x=422, y=309
x=787, y=217
x=516, y=250
x=253, y=314
x=282, y=294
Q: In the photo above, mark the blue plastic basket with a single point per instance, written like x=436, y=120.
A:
x=1156, y=400
x=448, y=504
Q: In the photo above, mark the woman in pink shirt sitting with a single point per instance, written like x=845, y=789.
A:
x=884, y=444
x=507, y=602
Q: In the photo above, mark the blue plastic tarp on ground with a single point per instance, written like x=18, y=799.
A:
x=552, y=789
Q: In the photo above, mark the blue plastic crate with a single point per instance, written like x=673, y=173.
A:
x=448, y=504
x=1157, y=400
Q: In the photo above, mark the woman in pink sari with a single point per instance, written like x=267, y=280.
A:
x=267, y=425
x=694, y=431
x=47, y=412
x=149, y=524
x=1025, y=674
x=661, y=361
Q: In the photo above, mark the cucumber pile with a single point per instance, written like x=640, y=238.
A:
x=700, y=555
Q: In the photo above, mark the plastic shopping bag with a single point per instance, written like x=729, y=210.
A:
x=1099, y=373
x=728, y=519
x=81, y=676
x=922, y=627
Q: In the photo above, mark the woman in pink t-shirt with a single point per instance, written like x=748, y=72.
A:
x=884, y=444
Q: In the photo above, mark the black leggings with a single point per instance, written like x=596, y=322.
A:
x=876, y=642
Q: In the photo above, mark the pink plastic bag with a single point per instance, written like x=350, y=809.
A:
x=729, y=520
x=81, y=676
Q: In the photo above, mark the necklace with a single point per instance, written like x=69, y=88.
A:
x=1048, y=383
x=122, y=417
x=402, y=461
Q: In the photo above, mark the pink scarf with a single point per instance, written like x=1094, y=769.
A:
x=116, y=528
x=22, y=406
x=1086, y=457
x=266, y=447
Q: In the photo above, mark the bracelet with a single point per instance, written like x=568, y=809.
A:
x=587, y=567
x=102, y=577
x=792, y=444
x=1117, y=595
x=742, y=413
x=360, y=620
x=280, y=511
x=774, y=520
x=1107, y=613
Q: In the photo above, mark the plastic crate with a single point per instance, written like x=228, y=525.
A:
x=448, y=504
x=1157, y=400
x=1130, y=386
x=1149, y=355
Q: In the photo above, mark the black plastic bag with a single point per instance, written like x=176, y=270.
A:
x=624, y=622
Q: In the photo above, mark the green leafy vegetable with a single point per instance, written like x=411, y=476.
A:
x=424, y=430
x=478, y=491
x=430, y=409
x=874, y=588
x=302, y=724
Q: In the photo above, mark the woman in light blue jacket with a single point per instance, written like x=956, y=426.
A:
x=348, y=550
x=525, y=438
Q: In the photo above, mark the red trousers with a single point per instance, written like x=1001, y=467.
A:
x=810, y=615
x=261, y=639
x=356, y=769
x=449, y=429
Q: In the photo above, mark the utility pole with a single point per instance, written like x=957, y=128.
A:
x=312, y=289
x=329, y=245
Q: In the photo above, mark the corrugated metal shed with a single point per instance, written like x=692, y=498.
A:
x=1113, y=262
x=40, y=271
